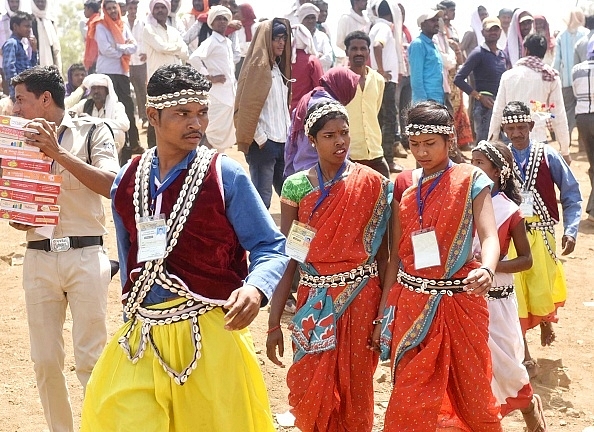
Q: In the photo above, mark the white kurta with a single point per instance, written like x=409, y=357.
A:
x=215, y=55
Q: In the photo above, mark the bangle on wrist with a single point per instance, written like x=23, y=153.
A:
x=478, y=96
x=273, y=329
x=378, y=320
x=489, y=271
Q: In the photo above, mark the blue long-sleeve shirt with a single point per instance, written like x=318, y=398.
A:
x=250, y=219
x=16, y=60
x=569, y=191
x=487, y=68
x=426, y=70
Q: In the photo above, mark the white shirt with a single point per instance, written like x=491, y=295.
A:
x=502, y=41
x=523, y=84
x=119, y=123
x=274, y=120
x=349, y=23
x=382, y=32
x=137, y=31
x=324, y=48
x=244, y=45
x=162, y=47
x=192, y=29
x=215, y=54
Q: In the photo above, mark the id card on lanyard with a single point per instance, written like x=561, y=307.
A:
x=424, y=241
x=151, y=230
x=527, y=205
x=301, y=235
x=152, y=238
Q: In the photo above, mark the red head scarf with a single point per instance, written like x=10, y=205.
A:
x=203, y=11
x=248, y=19
x=339, y=82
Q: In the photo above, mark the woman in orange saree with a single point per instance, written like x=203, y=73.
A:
x=344, y=208
x=435, y=323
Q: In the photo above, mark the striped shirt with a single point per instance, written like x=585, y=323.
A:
x=274, y=119
x=583, y=86
x=16, y=60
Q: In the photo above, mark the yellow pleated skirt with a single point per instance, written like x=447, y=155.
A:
x=541, y=289
x=226, y=392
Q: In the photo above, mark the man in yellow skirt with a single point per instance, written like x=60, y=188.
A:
x=539, y=169
x=185, y=216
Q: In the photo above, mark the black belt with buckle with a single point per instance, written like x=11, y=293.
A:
x=65, y=243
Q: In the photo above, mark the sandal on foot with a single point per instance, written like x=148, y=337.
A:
x=536, y=416
x=547, y=334
x=291, y=306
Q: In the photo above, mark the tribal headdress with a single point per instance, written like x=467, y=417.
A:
x=181, y=97
x=325, y=109
x=497, y=158
x=418, y=129
x=516, y=118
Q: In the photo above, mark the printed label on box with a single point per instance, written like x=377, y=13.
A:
x=19, y=153
x=45, y=189
x=16, y=174
x=39, y=166
x=27, y=197
x=35, y=219
x=7, y=204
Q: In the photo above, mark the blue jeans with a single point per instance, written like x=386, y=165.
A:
x=482, y=120
x=267, y=164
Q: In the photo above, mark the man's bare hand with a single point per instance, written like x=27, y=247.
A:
x=46, y=137
x=243, y=305
x=21, y=227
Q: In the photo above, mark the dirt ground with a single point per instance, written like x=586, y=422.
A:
x=565, y=377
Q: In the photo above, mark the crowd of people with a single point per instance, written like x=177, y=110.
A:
x=370, y=265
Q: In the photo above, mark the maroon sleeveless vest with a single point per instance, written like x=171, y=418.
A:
x=208, y=256
x=546, y=188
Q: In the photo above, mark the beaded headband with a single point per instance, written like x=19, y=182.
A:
x=320, y=112
x=418, y=129
x=522, y=118
x=181, y=97
x=496, y=157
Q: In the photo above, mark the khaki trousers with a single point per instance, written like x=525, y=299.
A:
x=52, y=280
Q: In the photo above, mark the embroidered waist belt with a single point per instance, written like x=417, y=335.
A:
x=430, y=286
x=188, y=310
x=500, y=292
x=541, y=225
x=339, y=279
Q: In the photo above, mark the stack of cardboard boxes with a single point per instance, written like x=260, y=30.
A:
x=28, y=192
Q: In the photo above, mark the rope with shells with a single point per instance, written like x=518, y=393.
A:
x=155, y=272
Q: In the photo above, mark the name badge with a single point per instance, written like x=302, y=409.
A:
x=299, y=241
x=527, y=206
x=425, y=248
x=152, y=238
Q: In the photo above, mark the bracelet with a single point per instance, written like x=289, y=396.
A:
x=478, y=96
x=378, y=320
x=489, y=271
x=273, y=329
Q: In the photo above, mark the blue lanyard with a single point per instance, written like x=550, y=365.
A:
x=59, y=143
x=325, y=191
x=156, y=191
x=521, y=164
x=421, y=201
